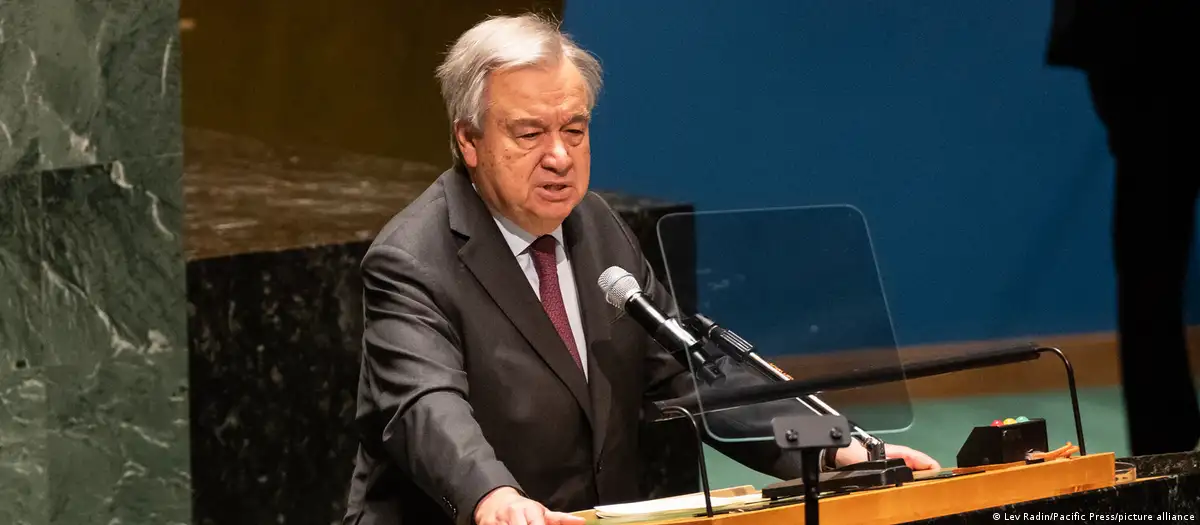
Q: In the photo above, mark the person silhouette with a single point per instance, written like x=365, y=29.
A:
x=1131, y=53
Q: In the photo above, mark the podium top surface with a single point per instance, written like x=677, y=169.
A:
x=917, y=500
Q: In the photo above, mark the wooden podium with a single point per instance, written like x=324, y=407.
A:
x=929, y=498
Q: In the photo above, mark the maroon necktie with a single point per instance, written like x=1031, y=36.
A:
x=545, y=260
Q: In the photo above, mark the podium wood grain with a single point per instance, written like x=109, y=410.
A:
x=938, y=497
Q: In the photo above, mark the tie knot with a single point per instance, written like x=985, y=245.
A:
x=544, y=244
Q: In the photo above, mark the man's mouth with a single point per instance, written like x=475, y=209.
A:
x=555, y=192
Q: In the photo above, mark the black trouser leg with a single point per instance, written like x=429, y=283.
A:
x=1148, y=124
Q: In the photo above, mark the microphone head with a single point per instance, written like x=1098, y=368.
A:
x=619, y=286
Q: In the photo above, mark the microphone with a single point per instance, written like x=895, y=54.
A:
x=622, y=290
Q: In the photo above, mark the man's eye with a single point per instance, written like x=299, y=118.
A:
x=575, y=131
x=533, y=135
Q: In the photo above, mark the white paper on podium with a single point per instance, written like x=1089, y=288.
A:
x=688, y=503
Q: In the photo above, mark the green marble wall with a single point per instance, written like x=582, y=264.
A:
x=93, y=355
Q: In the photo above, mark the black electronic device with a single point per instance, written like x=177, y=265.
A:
x=1003, y=443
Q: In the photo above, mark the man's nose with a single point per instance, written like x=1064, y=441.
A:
x=557, y=159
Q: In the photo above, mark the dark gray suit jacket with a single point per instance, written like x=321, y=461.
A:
x=465, y=385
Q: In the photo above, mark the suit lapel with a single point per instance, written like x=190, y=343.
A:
x=489, y=258
x=597, y=317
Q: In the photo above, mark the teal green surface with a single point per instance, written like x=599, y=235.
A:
x=940, y=427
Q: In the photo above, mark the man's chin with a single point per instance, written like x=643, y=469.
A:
x=554, y=216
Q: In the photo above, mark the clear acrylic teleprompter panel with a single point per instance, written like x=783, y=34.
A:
x=803, y=286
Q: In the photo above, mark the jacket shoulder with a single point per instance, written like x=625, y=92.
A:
x=422, y=224
x=597, y=212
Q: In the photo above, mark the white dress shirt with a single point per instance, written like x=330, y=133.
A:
x=518, y=241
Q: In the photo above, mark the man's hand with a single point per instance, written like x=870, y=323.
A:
x=916, y=460
x=505, y=506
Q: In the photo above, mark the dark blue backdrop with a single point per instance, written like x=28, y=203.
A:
x=982, y=173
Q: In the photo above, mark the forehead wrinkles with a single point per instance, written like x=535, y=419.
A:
x=545, y=115
x=538, y=91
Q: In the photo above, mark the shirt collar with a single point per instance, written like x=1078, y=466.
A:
x=517, y=238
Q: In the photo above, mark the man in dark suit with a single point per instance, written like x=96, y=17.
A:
x=497, y=385
x=1138, y=57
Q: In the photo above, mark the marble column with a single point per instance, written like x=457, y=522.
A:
x=93, y=351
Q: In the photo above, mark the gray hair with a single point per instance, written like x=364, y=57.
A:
x=498, y=43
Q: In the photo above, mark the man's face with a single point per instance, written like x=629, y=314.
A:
x=531, y=162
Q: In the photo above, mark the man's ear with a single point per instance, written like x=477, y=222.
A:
x=465, y=136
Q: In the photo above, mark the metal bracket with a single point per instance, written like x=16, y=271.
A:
x=811, y=434
x=811, y=431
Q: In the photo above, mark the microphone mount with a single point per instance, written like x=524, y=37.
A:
x=743, y=352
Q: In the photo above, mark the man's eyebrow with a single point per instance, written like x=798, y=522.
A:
x=526, y=121
x=534, y=122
